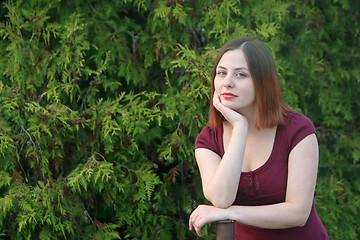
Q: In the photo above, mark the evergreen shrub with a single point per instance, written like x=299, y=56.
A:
x=101, y=102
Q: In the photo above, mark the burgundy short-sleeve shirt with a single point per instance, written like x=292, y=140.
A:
x=267, y=184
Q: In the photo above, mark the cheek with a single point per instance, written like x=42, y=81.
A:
x=252, y=94
x=249, y=88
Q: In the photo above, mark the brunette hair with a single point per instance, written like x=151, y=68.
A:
x=271, y=107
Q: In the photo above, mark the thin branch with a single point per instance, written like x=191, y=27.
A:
x=22, y=169
x=32, y=36
x=27, y=134
x=178, y=125
x=34, y=143
x=100, y=156
x=87, y=215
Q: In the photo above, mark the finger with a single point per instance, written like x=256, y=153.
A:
x=192, y=219
x=190, y=224
x=198, y=229
x=216, y=101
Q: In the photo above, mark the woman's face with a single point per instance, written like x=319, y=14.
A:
x=233, y=82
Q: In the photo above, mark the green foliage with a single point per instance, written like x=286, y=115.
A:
x=101, y=102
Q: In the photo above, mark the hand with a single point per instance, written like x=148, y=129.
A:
x=204, y=214
x=233, y=117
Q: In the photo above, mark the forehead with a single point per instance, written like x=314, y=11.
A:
x=233, y=59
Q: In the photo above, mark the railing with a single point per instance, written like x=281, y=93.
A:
x=225, y=230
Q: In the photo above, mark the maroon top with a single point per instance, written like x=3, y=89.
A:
x=267, y=184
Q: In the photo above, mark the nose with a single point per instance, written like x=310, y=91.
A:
x=228, y=81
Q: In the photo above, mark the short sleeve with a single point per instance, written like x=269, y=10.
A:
x=298, y=127
x=208, y=138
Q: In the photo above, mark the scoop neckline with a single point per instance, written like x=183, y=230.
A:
x=266, y=164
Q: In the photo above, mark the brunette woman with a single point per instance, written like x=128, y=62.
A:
x=258, y=158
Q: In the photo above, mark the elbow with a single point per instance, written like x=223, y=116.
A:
x=298, y=214
x=301, y=219
x=299, y=223
x=295, y=222
x=220, y=202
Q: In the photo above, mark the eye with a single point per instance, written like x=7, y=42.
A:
x=240, y=75
x=221, y=73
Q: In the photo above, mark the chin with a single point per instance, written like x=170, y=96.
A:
x=232, y=107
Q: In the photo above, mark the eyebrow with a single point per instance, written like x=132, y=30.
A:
x=239, y=68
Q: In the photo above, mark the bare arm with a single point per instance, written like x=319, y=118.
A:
x=220, y=177
x=302, y=173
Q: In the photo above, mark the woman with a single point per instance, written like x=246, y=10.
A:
x=257, y=158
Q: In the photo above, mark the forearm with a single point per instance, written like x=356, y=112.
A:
x=221, y=189
x=276, y=216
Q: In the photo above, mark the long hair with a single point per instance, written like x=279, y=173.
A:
x=270, y=105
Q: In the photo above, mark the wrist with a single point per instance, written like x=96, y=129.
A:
x=228, y=216
x=241, y=129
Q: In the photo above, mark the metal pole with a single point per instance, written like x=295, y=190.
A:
x=225, y=230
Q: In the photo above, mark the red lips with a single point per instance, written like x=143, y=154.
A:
x=228, y=95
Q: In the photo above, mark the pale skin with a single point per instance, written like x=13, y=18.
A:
x=242, y=141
